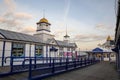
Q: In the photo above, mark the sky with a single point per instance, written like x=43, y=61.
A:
x=88, y=22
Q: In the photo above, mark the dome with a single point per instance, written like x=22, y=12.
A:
x=109, y=38
x=43, y=20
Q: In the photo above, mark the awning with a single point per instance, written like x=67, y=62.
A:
x=53, y=49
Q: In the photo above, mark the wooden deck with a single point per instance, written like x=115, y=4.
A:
x=100, y=71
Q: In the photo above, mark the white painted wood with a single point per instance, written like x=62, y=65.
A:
x=27, y=50
x=33, y=50
x=1, y=51
x=8, y=46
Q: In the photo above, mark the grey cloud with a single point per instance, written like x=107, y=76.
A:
x=88, y=38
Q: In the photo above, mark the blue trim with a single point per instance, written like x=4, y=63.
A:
x=3, y=53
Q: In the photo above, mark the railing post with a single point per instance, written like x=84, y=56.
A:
x=90, y=61
x=85, y=61
x=74, y=63
x=49, y=61
x=78, y=62
x=53, y=66
x=30, y=69
x=81, y=61
x=35, y=62
x=60, y=61
x=11, y=64
x=66, y=64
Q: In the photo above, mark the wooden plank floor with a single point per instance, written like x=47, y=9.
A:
x=100, y=71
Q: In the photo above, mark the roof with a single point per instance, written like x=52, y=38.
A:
x=11, y=35
x=62, y=43
x=97, y=50
x=18, y=36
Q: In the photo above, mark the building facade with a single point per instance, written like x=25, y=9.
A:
x=41, y=44
x=117, y=38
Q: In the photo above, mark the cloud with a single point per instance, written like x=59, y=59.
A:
x=88, y=38
x=22, y=15
x=104, y=27
x=11, y=19
x=28, y=30
x=10, y=5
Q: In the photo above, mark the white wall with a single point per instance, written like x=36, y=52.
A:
x=44, y=51
x=27, y=50
x=8, y=46
x=1, y=50
x=33, y=50
x=65, y=49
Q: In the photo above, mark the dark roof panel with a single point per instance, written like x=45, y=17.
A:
x=18, y=36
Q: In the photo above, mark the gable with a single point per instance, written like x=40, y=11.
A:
x=53, y=42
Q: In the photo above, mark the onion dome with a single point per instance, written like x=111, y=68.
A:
x=109, y=38
x=43, y=20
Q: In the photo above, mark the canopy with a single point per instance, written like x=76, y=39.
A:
x=53, y=49
x=97, y=50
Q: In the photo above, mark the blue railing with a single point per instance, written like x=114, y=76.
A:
x=42, y=67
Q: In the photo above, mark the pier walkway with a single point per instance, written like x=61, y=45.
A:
x=99, y=71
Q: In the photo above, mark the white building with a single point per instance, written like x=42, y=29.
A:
x=107, y=47
x=41, y=44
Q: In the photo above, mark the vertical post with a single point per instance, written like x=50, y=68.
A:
x=85, y=62
x=60, y=61
x=3, y=53
x=50, y=61
x=78, y=62
x=35, y=62
x=30, y=69
x=53, y=66
x=81, y=62
x=109, y=57
x=74, y=63
x=11, y=64
x=66, y=64
x=46, y=54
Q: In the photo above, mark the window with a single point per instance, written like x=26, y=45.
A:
x=18, y=49
x=39, y=51
x=112, y=55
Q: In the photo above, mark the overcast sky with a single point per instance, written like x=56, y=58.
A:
x=89, y=22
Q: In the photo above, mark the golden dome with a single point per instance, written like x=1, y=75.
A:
x=43, y=20
x=109, y=38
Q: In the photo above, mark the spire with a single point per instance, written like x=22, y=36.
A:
x=66, y=36
x=66, y=29
x=109, y=38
